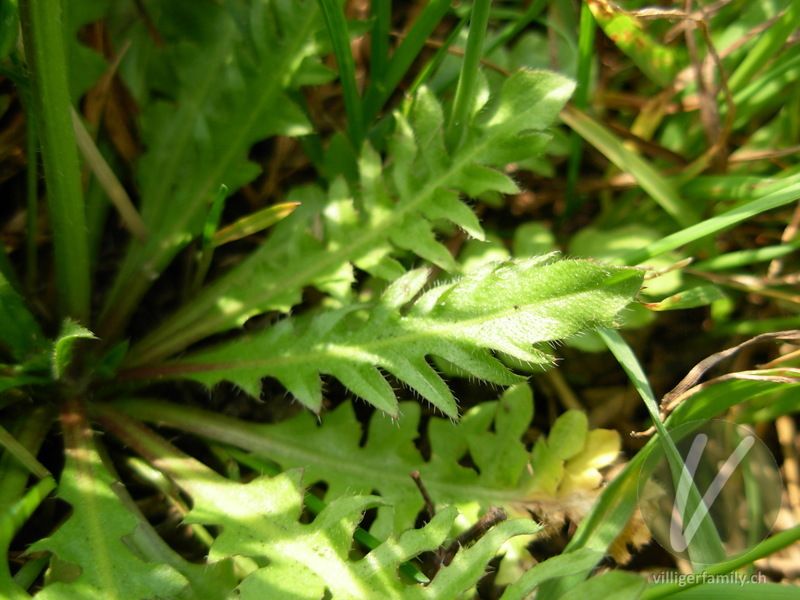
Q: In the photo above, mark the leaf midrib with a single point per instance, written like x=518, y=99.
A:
x=420, y=331
x=260, y=439
x=197, y=324
x=163, y=252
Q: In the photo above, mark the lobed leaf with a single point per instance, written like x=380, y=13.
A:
x=489, y=433
x=261, y=519
x=92, y=559
x=394, y=208
x=503, y=307
x=221, y=99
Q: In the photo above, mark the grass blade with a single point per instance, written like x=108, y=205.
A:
x=340, y=38
x=479, y=20
x=44, y=44
x=629, y=161
x=381, y=11
x=769, y=546
x=518, y=26
x=788, y=192
x=767, y=47
x=580, y=99
x=108, y=180
x=383, y=84
x=708, y=548
x=746, y=258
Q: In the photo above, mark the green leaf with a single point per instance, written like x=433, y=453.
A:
x=506, y=308
x=90, y=542
x=568, y=434
x=707, y=550
x=660, y=63
x=490, y=433
x=49, y=111
x=261, y=519
x=65, y=345
x=570, y=563
x=783, y=193
x=19, y=331
x=738, y=591
x=395, y=208
x=8, y=382
x=614, y=585
x=659, y=189
x=757, y=397
x=85, y=64
x=253, y=223
x=221, y=101
x=469, y=565
x=9, y=26
x=702, y=295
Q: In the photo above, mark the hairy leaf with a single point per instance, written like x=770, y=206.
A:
x=262, y=519
x=394, y=208
x=506, y=308
x=93, y=560
x=489, y=433
x=226, y=89
x=65, y=345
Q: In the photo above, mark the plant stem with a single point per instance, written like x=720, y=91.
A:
x=465, y=91
x=44, y=46
x=581, y=100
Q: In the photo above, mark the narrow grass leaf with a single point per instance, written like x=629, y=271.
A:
x=702, y=295
x=253, y=223
x=614, y=585
x=708, y=548
x=465, y=91
x=340, y=39
x=735, y=591
x=385, y=83
x=745, y=258
x=789, y=193
x=586, y=56
x=43, y=37
x=769, y=546
x=608, y=144
x=767, y=47
x=658, y=62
